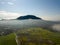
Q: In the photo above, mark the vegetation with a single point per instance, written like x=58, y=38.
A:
x=37, y=36
x=32, y=36
x=8, y=39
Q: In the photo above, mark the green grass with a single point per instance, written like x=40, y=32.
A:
x=8, y=39
x=38, y=36
x=32, y=36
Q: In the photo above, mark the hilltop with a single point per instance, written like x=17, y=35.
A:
x=28, y=17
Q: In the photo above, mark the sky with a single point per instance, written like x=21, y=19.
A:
x=45, y=9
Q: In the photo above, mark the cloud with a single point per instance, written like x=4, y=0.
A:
x=56, y=27
x=51, y=18
x=9, y=15
x=10, y=3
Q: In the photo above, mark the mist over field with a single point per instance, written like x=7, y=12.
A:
x=17, y=30
x=29, y=22
x=20, y=24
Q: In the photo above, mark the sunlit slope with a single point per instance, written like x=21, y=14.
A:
x=8, y=40
x=32, y=36
x=37, y=36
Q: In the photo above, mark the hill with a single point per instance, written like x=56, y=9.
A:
x=37, y=36
x=28, y=17
x=32, y=36
x=8, y=39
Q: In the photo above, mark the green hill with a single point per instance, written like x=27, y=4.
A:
x=32, y=36
x=38, y=36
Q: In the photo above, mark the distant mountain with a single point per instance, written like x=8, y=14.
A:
x=28, y=17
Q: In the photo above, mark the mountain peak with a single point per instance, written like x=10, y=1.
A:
x=28, y=17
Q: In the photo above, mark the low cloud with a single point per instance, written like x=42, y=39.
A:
x=9, y=15
x=52, y=18
x=56, y=27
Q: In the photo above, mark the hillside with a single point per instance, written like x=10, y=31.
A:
x=28, y=17
x=37, y=36
x=32, y=36
x=8, y=39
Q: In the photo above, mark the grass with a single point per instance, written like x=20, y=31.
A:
x=32, y=36
x=8, y=39
x=38, y=36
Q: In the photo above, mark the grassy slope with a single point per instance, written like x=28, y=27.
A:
x=8, y=40
x=35, y=34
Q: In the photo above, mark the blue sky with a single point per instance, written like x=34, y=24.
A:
x=46, y=9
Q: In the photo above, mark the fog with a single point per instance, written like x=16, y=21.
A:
x=56, y=27
x=30, y=23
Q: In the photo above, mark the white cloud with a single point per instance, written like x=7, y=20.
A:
x=51, y=18
x=10, y=3
x=9, y=15
x=56, y=27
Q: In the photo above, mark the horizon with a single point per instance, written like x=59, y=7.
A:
x=45, y=9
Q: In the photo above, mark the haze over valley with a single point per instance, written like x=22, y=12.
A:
x=29, y=22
